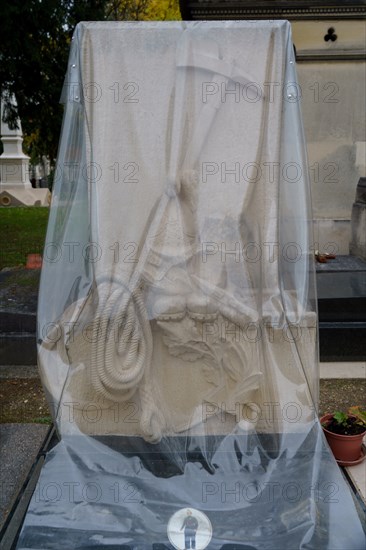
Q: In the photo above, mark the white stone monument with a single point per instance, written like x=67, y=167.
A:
x=175, y=351
x=15, y=187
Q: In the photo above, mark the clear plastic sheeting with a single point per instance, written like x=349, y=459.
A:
x=177, y=333
x=333, y=96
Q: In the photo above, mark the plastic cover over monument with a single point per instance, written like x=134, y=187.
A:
x=177, y=333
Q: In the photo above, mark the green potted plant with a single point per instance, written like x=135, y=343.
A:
x=344, y=433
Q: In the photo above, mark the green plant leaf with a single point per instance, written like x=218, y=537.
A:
x=359, y=414
x=340, y=417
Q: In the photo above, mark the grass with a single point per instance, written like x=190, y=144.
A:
x=42, y=420
x=22, y=279
x=23, y=231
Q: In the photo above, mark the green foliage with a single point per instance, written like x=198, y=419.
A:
x=359, y=414
x=163, y=10
x=36, y=36
x=42, y=420
x=341, y=418
x=143, y=10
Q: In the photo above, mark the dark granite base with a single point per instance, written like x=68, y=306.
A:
x=341, y=286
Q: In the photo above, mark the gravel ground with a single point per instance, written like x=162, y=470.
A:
x=22, y=398
x=342, y=394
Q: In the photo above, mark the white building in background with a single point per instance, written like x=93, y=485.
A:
x=330, y=41
x=15, y=185
x=332, y=76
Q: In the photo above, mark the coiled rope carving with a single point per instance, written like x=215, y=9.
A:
x=122, y=347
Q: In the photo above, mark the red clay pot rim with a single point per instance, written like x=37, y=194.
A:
x=340, y=436
x=353, y=462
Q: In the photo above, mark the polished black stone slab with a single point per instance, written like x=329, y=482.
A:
x=341, y=288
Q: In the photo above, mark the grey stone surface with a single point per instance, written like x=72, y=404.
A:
x=19, y=446
x=342, y=263
x=358, y=221
x=19, y=371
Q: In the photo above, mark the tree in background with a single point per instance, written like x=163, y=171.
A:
x=35, y=42
x=143, y=10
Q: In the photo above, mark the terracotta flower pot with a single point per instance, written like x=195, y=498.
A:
x=34, y=261
x=346, y=448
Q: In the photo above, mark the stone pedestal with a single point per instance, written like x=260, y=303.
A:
x=358, y=222
x=15, y=187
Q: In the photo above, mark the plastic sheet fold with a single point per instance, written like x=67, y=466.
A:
x=177, y=328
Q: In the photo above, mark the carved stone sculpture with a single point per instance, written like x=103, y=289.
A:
x=188, y=336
